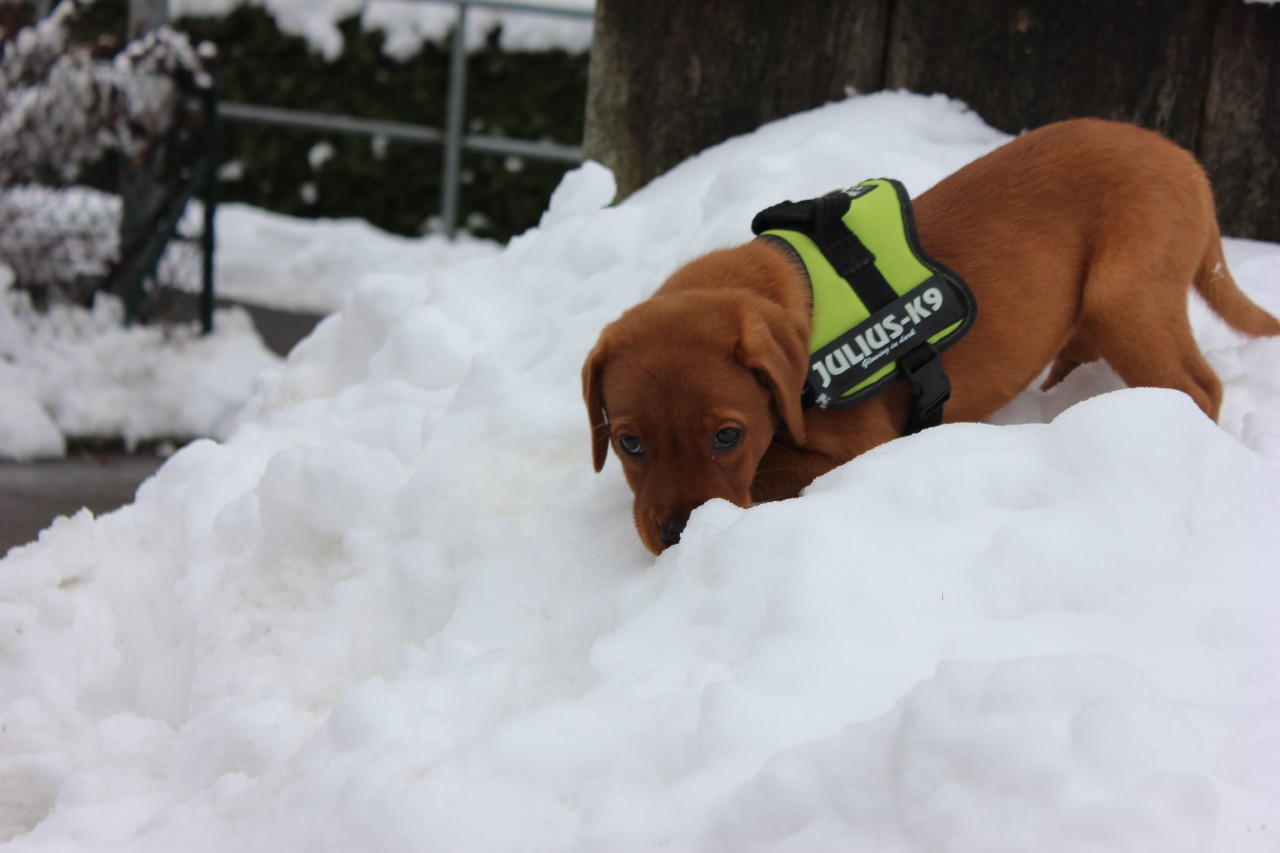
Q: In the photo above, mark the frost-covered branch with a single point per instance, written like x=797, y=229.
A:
x=60, y=109
x=33, y=51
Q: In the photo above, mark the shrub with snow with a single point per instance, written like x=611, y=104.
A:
x=62, y=111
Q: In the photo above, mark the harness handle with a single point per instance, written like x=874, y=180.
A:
x=822, y=220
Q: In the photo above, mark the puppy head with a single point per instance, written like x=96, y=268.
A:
x=690, y=388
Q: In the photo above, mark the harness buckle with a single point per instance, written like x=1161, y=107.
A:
x=930, y=388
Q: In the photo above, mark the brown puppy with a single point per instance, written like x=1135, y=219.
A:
x=1079, y=241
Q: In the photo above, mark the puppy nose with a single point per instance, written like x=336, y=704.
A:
x=669, y=531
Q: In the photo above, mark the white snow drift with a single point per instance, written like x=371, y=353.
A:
x=396, y=609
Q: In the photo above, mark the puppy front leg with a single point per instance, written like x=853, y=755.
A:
x=834, y=437
x=786, y=469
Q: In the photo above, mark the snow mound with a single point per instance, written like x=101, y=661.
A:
x=310, y=265
x=397, y=610
x=71, y=371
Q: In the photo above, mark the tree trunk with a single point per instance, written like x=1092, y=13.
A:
x=1240, y=143
x=670, y=78
x=1021, y=64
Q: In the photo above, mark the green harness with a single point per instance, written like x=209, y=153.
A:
x=883, y=310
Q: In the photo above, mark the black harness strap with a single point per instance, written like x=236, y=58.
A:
x=930, y=387
x=822, y=221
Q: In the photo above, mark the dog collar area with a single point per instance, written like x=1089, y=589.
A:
x=883, y=310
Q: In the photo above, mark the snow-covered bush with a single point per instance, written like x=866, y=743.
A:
x=61, y=110
x=68, y=118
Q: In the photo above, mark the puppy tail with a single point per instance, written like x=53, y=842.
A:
x=1219, y=289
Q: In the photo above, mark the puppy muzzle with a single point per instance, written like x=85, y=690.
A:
x=669, y=530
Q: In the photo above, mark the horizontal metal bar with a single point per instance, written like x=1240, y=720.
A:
x=516, y=6
x=534, y=150
x=285, y=117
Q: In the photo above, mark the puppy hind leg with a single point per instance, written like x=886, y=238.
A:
x=1154, y=348
x=1196, y=365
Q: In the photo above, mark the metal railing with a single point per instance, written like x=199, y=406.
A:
x=451, y=137
x=139, y=261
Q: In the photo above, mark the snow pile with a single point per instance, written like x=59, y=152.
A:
x=77, y=372
x=406, y=23
x=396, y=609
x=74, y=371
x=313, y=264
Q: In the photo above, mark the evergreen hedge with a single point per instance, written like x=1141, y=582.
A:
x=394, y=185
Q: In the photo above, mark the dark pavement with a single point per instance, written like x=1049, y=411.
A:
x=33, y=494
x=280, y=330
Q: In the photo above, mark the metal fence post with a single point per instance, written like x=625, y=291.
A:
x=209, y=196
x=455, y=109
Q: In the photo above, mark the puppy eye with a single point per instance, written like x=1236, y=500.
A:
x=630, y=444
x=726, y=438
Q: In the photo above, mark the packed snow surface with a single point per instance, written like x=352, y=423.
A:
x=396, y=610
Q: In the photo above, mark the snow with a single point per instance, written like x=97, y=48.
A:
x=395, y=609
x=76, y=372
x=407, y=23
x=310, y=265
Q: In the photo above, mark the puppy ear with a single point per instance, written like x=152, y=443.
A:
x=779, y=354
x=593, y=393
